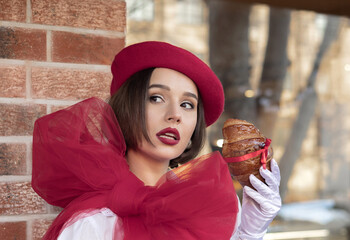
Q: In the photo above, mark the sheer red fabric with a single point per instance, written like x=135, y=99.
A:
x=79, y=164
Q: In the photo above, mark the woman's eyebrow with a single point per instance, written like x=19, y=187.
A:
x=188, y=94
x=159, y=86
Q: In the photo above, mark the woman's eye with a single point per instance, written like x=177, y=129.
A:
x=187, y=105
x=156, y=99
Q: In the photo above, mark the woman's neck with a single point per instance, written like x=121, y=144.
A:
x=148, y=170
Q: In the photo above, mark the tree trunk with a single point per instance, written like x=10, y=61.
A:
x=306, y=110
x=229, y=58
x=274, y=70
x=229, y=53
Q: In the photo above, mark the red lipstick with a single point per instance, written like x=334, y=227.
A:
x=169, y=136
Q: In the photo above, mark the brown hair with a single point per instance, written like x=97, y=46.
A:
x=128, y=104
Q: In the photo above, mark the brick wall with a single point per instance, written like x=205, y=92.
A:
x=52, y=54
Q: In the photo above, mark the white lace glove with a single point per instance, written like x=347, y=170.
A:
x=260, y=207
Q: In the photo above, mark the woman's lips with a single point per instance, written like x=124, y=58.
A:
x=169, y=136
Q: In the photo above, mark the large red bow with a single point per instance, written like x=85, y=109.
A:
x=79, y=164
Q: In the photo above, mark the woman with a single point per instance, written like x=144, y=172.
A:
x=108, y=165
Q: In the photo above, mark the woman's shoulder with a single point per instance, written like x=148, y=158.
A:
x=98, y=224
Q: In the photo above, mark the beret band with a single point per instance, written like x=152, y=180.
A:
x=140, y=56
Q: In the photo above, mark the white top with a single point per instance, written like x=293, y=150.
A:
x=100, y=226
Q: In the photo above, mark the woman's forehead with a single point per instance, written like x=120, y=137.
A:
x=172, y=79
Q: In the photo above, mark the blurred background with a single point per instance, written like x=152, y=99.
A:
x=285, y=66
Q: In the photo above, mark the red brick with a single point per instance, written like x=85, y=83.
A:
x=13, y=230
x=12, y=159
x=72, y=84
x=80, y=48
x=93, y=14
x=56, y=108
x=19, y=120
x=12, y=81
x=19, y=198
x=19, y=43
x=40, y=227
x=14, y=10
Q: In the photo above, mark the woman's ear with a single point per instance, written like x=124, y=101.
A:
x=189, y=145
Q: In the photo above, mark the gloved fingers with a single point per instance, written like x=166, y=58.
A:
x=267, y=207
x=251, y=193
x=275, y=170
x=270, y=179
x=264, y=190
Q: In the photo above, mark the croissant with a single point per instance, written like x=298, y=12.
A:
x=242, y=145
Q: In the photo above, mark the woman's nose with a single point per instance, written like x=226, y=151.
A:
x=173, y=115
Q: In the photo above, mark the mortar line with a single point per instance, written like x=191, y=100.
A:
x=49, y=46
x=29, y=17
x=76, y=30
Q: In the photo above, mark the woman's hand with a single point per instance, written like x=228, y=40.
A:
x=260, y=207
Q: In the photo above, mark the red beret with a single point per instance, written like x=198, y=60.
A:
x=140, y=56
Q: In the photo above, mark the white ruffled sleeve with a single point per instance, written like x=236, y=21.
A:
x=99, y=226
x=235, y=235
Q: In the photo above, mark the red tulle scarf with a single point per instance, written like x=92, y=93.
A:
x=79, y=164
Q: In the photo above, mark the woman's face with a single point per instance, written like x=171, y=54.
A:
x=171, y=114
